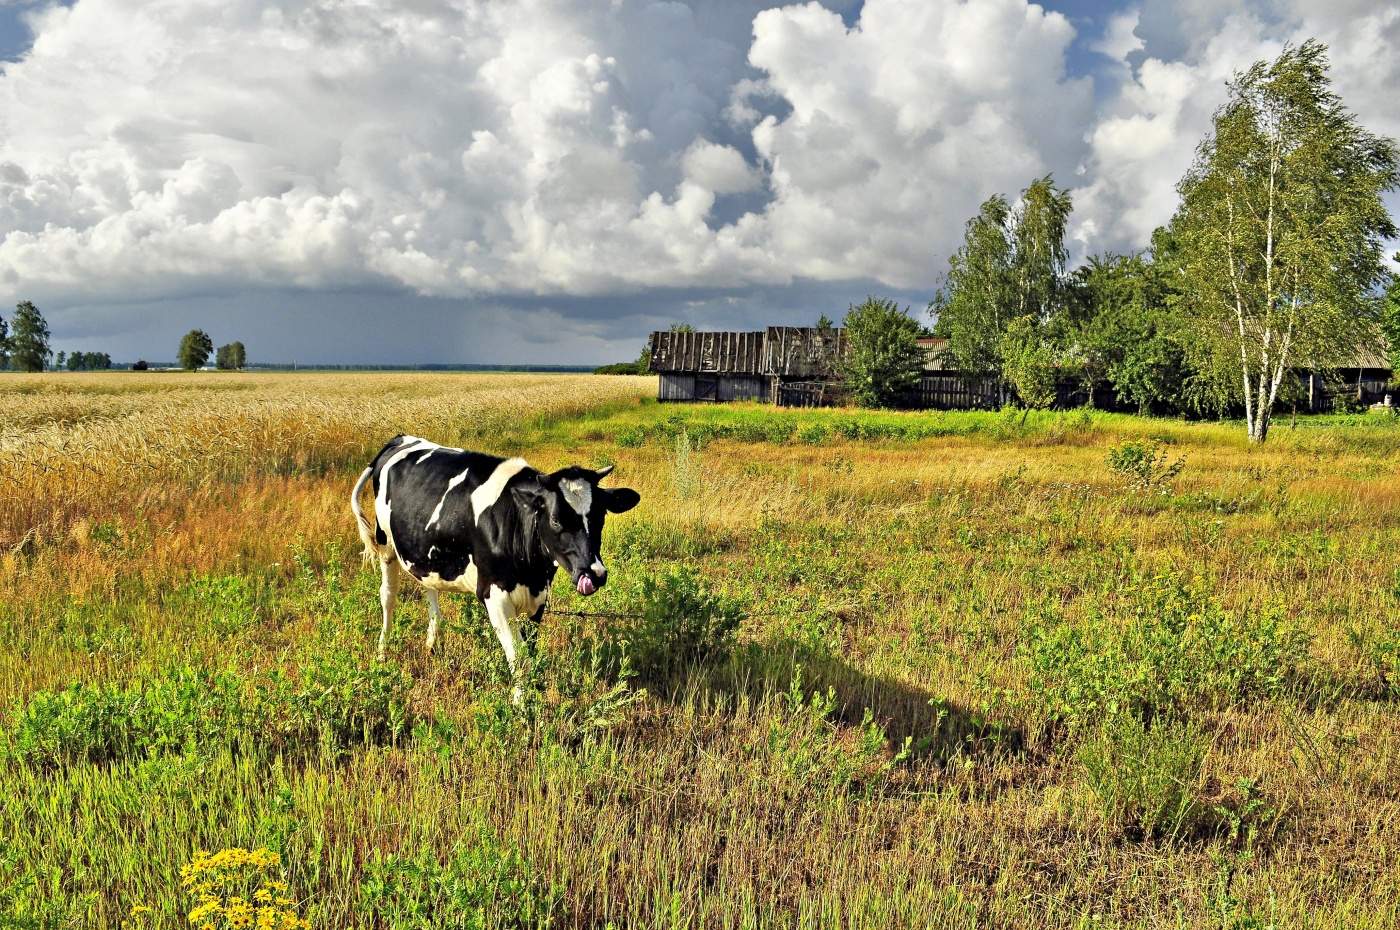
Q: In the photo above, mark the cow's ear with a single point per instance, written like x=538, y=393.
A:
x=529, y=495
x=621, y=500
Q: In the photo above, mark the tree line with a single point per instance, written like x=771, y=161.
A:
x=1271, y=264
x=24, y=346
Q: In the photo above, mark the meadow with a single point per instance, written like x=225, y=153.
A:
x=851, y=670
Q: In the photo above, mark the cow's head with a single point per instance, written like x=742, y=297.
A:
x=569, y=508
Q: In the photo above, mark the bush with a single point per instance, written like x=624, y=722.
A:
x=1177, y=650
x=884, y=359
x=185, y=710
x=480, y=886
x=1145, y=775
x=1143, y=466
x=672, y=620
x=812, y=753
x=345, y=699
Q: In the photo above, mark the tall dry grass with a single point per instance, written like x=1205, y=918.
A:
x=84, y=446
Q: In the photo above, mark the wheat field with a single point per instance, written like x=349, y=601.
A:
x=853, y=669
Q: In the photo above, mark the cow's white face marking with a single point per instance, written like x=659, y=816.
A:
x=490, y=490
x=579, y=494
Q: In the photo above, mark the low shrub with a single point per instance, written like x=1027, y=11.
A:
x=1146, y=775
x=1176, y=650
x=344, y=699
x=812, y=752
x=1144, y=466
x=480, y=886
x=663, y=623
x=184, y=710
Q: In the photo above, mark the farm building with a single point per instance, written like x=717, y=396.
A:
x=791, y=366
x=800, y=366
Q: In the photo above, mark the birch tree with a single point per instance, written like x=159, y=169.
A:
x=1281, y=229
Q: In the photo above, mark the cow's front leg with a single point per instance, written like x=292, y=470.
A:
x=388, y=594
x=502, y=613
x=434, y=615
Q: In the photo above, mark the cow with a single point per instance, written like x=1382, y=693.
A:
x=465, y=521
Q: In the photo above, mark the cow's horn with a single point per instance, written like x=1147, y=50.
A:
x=605, y=471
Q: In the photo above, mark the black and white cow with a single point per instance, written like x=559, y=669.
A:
x=465, y=521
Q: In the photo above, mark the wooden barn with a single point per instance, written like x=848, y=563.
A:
x=712, y=366
x=793, y=366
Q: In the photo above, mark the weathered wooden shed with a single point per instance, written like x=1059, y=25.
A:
x=709, y=366
x=792, y=366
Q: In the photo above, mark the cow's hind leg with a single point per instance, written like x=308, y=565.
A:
x=502, y=614
x=434, y=615
x=388, y=594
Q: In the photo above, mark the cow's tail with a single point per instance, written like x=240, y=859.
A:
x=373, y=551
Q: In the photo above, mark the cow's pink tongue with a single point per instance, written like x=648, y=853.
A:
x=585, y=585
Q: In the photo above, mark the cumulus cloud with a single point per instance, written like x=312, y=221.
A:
x=548, y=148
x=1146, y=134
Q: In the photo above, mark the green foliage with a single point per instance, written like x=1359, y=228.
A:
x=623, y=368
x=1030, y=364
x=1143, y=465
x=1390, y=324
x=884, y=359
x=4, y=344
x=1011, y=266
x=87, y=361
x=195, y=347
x=480, y=885
x=140, y=365
x=977, y=300
x=813, y=755
x=29, y=338
x=1172, y=650
x=1281, y=227
x=1146, y=774
x=183, y=710
x=1126, y=332
x=673, y=620
x=344, y=699
x=231, y=357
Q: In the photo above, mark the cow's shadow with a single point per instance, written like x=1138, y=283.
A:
x=935, y=728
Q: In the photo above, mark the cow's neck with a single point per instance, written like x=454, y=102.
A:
x=531, y=560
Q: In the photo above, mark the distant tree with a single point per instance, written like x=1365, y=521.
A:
x=1038, y=248
x=1011, y=265
x=1127, y=333
x=223, y=359
x=238, y=355
x=4, y=344
x=1390, y=323
x=140, y=365
x=682, y=328
x=884, y=358
x=977, y=301
x=194, y=349
x=1031, y=362
x=29, y=338
x=1282, y=225
x=824, y=323
x=77, y=361
x=59, y=362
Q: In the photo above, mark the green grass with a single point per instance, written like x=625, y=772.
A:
x=852, y=670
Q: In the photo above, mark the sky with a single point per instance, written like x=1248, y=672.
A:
x=546, y=181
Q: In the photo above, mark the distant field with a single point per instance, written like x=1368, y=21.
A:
x=852, y=669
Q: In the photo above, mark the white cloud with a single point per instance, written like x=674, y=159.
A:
x=1145, y=138
x=547, y=147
